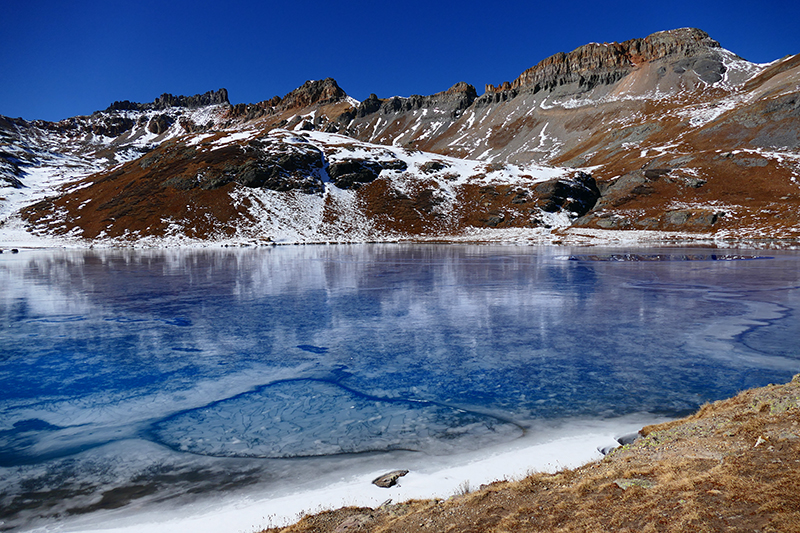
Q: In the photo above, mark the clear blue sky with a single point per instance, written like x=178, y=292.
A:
x=59, y=59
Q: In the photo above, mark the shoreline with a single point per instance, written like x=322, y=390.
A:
x=731, y=466
x=567, y=446
x=563, y=237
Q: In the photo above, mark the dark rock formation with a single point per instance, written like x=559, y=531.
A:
x=700, y=219
x=577, y=195
x=112, y=126
x=369, y=106
x=199, y=100
x=264, y=163
x=353, y=173
x=287, y=168
x=636, y=183
x=159, y=124
x=457, y=98
x=452, y=102
x=10, y=169
x=433, y=166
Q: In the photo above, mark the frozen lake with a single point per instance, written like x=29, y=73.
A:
x=168, y=381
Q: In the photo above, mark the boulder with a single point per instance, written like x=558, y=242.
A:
x=577, y=195
x=353, y=173
x=390, y=479
x=286, y=168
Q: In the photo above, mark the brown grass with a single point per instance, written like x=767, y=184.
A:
x=732, y=466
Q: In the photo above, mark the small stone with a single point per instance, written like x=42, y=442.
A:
x=389, y=480
x=760, y=441
x=385, y=504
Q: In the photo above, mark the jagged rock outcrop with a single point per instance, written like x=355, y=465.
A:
x=587, y=87
x=577, y=195
x=159, y=124
x=167, y=100
x=451, y=103
x=261, y=162
x=455, y=99
x=353, y=173
x=312, y=92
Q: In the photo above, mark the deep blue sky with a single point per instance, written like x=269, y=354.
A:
x=59, y=59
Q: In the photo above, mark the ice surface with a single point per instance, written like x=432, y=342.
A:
x=157, y=382
x=309, y=417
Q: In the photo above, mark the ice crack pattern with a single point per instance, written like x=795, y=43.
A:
x=313, y=417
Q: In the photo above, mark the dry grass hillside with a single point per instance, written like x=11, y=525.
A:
x=732, y=466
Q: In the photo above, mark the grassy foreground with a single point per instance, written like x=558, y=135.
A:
x=732, y=466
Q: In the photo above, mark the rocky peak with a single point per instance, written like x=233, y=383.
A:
x=594, y=63
x=313, y=92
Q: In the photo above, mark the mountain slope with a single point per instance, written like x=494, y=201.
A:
x=677, y=134
x=262, y=186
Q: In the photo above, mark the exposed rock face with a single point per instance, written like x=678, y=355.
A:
x=263, y=163
x=555, y=105
x=11, y=153
x=351, y=174
x=282, y=168
x=111, y=126
x=578, y=195
x=167, y=100
x=607, y=63
x=457, y=98
x=313, y=92
x=451, y=103
x=159, y=124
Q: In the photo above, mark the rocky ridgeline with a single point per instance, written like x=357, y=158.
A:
x=166, y=100
x=593, y=64
x=452, y=101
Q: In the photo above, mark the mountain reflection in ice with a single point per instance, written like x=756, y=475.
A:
x=152, y=374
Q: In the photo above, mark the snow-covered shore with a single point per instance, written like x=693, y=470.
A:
x=14, y=235
x=543, y=450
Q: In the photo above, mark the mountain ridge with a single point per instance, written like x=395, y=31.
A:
x=677, y=133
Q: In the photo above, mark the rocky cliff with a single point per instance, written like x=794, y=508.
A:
x=167, y=100
x=594, y=64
